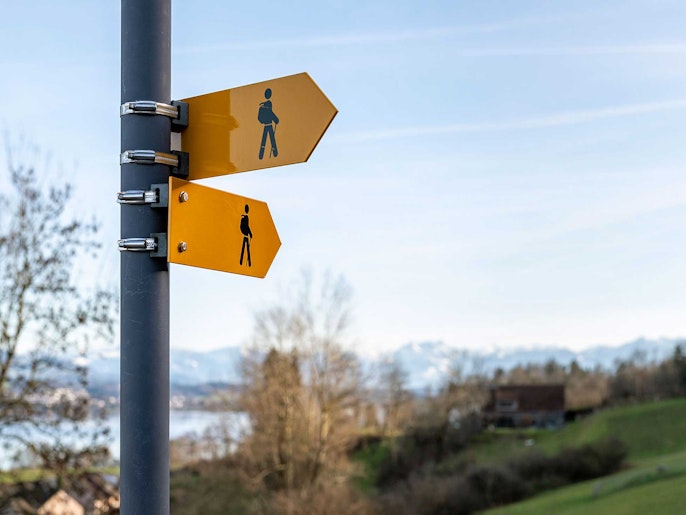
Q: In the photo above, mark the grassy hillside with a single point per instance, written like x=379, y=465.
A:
x=657, y=450
x=648, y=429
x=655, y=486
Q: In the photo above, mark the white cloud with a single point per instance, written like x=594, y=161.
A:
x=553, y=120
x=362, y=38
x=649, y=49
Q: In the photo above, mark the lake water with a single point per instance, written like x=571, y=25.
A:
x=180, y=423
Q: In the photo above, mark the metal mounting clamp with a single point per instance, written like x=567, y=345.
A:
x=148, y=107
x=148, y=157
x=179, y=161
x=137, y=244
x=156, y=196
x=177, y=111
x=156, y=244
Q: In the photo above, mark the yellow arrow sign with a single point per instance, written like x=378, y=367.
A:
x=272, y=123
x=209, y=228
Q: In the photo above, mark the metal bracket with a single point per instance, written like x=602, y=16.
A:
x=156, y=244
x=161, y=251
x=181, y=121
x=179, y=161
x=156, y=196
x=177, y=111
x=181, y=169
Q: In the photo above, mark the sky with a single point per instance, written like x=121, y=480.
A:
x=499, y=173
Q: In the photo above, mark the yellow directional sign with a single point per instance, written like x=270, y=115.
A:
x=209, y=228
x=272, y=123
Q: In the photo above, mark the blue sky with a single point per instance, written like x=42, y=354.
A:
x=500, y=173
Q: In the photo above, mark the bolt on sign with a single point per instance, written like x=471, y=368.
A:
x=210, y=228
x=271, y=123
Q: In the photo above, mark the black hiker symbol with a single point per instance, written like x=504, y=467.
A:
x=247, y=235
x=266, y=117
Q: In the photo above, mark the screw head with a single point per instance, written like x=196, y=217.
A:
x=182, y=246
x=183, y=196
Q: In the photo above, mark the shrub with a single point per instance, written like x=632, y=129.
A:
x=324, y=498
x=611, y=454
x=591, y=460
x=424, y=444
x=423, y=473
x=538, y=469
x=532, y=464
x=430, y=495
x=497, y=485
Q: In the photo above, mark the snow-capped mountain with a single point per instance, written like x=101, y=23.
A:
x=426, y=363
x=186, y=367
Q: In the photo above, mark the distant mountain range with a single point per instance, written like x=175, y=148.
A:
x=426, y=363
x=186, y=367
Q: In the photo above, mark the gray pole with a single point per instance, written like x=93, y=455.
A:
x=145, y=75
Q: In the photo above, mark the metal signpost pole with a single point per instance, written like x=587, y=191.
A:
x=145, y=75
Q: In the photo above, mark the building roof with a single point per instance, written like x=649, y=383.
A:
x=27, y=497
x=536, y=397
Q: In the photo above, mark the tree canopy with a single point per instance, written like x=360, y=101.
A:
x=48, y=317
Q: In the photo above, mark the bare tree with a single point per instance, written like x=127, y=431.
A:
x=302, y=389
x=392, y=383
x=46, y=322
x=466, y=391
x=273, y=400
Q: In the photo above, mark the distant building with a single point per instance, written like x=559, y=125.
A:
x=540, y=405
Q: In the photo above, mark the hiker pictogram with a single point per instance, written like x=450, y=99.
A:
x=266, y=116
x=247, y=236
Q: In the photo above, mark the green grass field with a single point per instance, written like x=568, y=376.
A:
x=654, y=482
x=643, y=489
x=21, y=475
